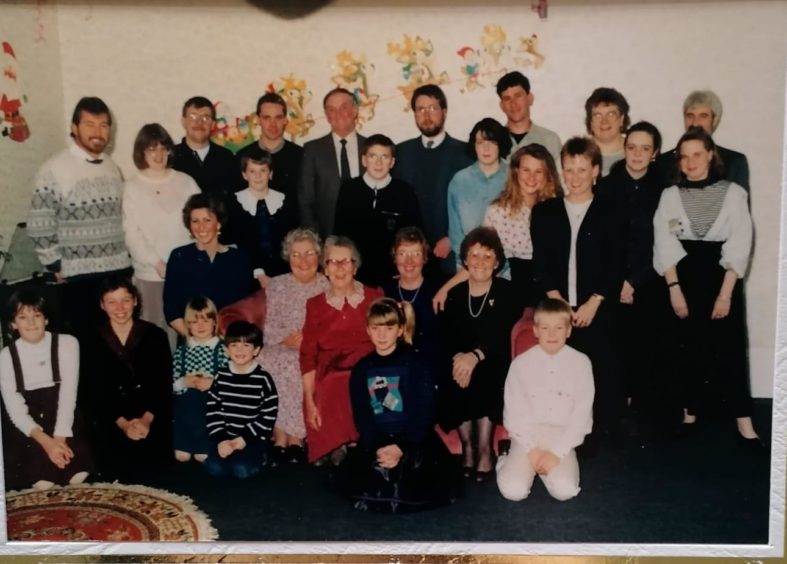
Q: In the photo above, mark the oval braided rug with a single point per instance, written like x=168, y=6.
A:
x=105, y=512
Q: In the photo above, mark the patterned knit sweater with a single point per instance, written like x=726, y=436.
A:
x=75, y=217
x=192, y=357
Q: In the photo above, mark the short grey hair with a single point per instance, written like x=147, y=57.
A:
x=296, y=236
x=705, y=98
x=340, y=241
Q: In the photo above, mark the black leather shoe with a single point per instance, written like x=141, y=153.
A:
x=295, y=454
x=755, y=445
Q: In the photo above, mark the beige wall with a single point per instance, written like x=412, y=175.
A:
x=146, y=58
x=35, y=39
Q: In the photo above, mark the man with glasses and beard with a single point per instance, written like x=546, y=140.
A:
x=428, y=163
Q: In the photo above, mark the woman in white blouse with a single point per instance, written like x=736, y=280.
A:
x=532, y=177
x=703, y=243
x=152, y=206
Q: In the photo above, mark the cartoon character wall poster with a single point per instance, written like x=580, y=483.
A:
x=296, y=95
x=415, y=56
x=352, y=73
x=13, y=124
x=231, y=131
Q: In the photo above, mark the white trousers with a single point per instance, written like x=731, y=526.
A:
x=515, y=475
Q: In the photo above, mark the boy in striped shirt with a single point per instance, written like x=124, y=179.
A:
x=242, y=406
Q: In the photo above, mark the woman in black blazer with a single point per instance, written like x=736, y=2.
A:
x=578, y=256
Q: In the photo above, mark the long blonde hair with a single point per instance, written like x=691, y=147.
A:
x=387, y=311
x=511, y=198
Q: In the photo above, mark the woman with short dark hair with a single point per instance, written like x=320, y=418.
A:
x=476, y=328
x=606, y=120
x=206, y=267
x=473, y=188
x=126, y=387
x=152, y=204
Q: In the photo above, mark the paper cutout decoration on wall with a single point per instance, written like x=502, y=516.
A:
x=415, y=56
x=494, y=46
x=485, y=65
x=528, y=54
x=13, y=124
x=471, y=69
x=297, y=95
x=231, y=131
x=351, y=73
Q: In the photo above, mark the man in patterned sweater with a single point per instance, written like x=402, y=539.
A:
x=75, y=216
x=242, y=406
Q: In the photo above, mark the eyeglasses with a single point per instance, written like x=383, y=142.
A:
x=339, y=262
x=375, y=158
x=611, y=114
x=427, y=110
x=157, y=149
x=409, y=254
x=204, y=118
x=482, y=256
x=308, y=254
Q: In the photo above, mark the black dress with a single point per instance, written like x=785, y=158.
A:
x=393, y=403
x=127, y=381
x=483, y=324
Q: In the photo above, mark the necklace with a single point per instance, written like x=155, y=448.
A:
x=483, y=302
x=415, y=296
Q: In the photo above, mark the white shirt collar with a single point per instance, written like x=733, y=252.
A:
x=436, y=140
x=273, y=199
x=352, y=136
x=376, y=184
x=212, y=342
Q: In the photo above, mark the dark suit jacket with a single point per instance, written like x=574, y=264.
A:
x=600, y=249
x=320, y=183
x=736, y=166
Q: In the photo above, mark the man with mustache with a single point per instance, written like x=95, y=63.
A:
x=428, y=163
x=75, y=215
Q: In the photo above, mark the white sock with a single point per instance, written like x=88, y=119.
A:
x=78, y=478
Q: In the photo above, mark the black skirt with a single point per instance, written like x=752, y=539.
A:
x=712, y=353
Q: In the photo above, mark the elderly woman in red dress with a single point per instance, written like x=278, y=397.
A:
x=334, y=339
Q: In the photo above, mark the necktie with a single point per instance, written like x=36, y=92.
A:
x=344, y=162
x=429, y=144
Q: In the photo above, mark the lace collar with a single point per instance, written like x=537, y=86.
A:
x=354, y=298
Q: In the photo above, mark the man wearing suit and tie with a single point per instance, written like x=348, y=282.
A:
x=328, y=161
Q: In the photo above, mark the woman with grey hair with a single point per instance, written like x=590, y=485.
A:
x=286, y=305
x=334, y=339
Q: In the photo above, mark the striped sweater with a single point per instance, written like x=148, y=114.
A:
x=242, y=405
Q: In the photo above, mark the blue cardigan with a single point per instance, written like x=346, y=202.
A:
x=190, y=273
